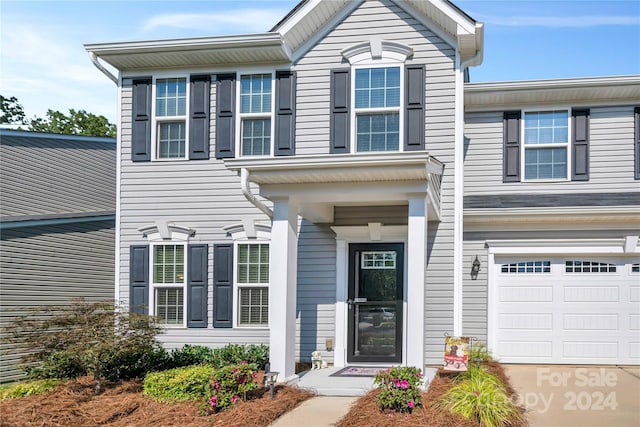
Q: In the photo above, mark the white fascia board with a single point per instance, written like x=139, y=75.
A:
x=294, y=19
x=559, y=246
x=464, y=24
x=221, y=42
x=447, y=37
x=570, y=83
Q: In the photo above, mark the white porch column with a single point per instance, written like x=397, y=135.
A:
x=282, y=289
x=339, y=346
x=416, y=266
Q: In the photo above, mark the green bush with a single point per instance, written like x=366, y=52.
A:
x=187, y=383
x=480, y=396
x=230, y=384
x=480, y=353
x=231, y=354
x=399, y=388
x=57, y=366
x=18, y=390
x=135, y=363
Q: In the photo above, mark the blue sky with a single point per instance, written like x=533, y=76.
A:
x=43, y=62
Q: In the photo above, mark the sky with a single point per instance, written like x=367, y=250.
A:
x=44, y=64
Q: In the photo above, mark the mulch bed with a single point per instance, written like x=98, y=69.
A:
x=122, y=404
x=365, y=411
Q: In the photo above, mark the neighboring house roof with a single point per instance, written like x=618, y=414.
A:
x=590, y=91
x=49, y=176
x=288, y=40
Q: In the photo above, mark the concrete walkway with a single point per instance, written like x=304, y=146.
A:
x=586, y=396
x=320, y=411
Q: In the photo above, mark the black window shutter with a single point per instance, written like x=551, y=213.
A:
x=225, y=116
x=199, y=117
x=636, y=112
x=285, y=118
x=141, y=120
x=139, y=279
x=580, y=146
x=414, y=109
x=223, y=286
x=511, y=170
x=340, y=116
x=197, y=286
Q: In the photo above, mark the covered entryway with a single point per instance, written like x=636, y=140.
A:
x=573, y=309
x=375, y=303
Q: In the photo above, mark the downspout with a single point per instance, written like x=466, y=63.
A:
x=100, y=67
x=246, y=190
x=458, y=228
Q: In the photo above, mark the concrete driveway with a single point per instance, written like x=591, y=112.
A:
x=559, y=395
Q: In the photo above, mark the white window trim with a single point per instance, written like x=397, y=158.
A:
x=153, y=286
x=400, y=109
x=155, y=121
x=240, y=116
x=237, y=285
x=568, y=145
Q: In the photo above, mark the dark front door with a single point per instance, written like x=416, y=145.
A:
x=375, y=302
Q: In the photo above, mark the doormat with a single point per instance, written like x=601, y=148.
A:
x=358, y=371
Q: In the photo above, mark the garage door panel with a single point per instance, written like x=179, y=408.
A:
x=589, y=350
x=591, y=294
x=590, y=322
x=580, y=310
x=526, y=321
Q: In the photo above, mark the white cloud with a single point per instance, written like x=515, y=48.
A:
x=560, y=21
x=235, y=21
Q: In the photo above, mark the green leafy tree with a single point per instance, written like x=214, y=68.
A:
x=11, y=111
x=75, y=123
x=90, y=333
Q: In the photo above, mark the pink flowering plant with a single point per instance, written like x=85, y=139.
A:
x=399, y=388
x=230, y=385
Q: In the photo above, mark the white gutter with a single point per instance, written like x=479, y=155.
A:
x=99, y=66
x=246, y=190
x=458, y=180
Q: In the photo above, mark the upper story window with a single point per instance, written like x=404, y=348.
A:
x=255, y=114
x=168, y=283
x=171, y=118
x=377, y=108
x=546, y=145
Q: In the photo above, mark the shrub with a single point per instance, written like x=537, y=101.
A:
x=399, y=388
x=230, y=384
x=231, y=354
x=82, y=334
x=16, y=391
x=482, y=397
x=187, y=383
x=479, y=353
x=135, y=363
x=60, y=365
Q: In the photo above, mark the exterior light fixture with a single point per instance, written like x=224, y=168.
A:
x=270, y=379
x=475, y=268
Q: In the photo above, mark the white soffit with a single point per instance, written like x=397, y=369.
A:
x=588, y=90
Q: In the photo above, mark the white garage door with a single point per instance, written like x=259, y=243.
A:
x=583, y=310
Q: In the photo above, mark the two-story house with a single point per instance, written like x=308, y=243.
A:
x=332, y=182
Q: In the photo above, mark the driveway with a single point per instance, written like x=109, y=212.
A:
x=563, y=396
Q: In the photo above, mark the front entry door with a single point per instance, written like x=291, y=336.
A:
x=375, y=302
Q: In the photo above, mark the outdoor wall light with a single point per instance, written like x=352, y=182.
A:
x=475, y=268
x=270, y=379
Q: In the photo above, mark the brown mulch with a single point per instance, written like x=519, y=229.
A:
x=365, y=411
x=122, y=404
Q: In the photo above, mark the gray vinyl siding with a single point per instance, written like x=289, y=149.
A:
x=316, y=292
x=200, y=194
x=611, y=156
x=50, y=265
x=45, y=174
x=358, y=215
x=389, y=22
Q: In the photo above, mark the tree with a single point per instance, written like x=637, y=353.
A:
x=76, y=123
x=11, y=111
x=90, y=334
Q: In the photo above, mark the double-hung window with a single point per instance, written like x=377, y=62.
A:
x=253, y=284
x=255, y=114
x=171, y=118
x=377, y=109
x=546, y=145
x=168, y=282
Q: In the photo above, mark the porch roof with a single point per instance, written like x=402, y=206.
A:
x=339, y=179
